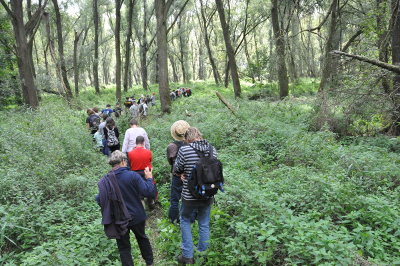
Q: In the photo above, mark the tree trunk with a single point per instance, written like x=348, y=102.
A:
x=96, y=47
x=143, y=49
x=217, y=77
x=396, y=61
x=229, y=49
x=60, y=42
x=21, y=33
x=202, y=72
x=128, y=45
x=329, y=71
x=183, y=46
x=248, y=58
x=76, y=68
x=118, y=50
x=382, y=43
x=280, y=51
x=173, y=66
x=161, y=14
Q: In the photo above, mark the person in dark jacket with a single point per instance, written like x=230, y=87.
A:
x=185, y=161
x=111, y=135
x=132, y=186
x=178, y=130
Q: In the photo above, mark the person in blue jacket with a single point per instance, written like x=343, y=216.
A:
x=131, y=186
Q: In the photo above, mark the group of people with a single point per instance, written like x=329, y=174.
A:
x=139, y=107
x=121, y=191
x=180, y=92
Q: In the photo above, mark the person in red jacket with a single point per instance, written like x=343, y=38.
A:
x=139, y=159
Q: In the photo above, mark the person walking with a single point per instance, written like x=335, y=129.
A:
x=92, y=121
x=140, y=158
x=178, y=130
x=131, y=134
x=122, y=209
x=111, y=135
x=185, y=161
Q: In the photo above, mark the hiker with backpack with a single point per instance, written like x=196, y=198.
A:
x=111, y=135
x=121, y=207
x=108, y=111
x=178, y=130
x=201, y=173
x=92, y=121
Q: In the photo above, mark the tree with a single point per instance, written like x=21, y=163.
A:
x=60, y=42
x=24, y=34
x=162, y=48
x=229, y=49
x=396, y=61
x=96, y=47
x=280, y=51
x=117, y=32
x=128, y=44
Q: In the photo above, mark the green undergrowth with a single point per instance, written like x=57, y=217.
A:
x=293, y=197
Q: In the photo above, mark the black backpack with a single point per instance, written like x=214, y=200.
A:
x=94, y=122
x=206, y=176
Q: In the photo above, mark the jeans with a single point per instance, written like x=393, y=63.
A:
x=124, y=245
x=203, y=218
x=175, y=196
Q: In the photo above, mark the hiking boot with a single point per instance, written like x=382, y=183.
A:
x=183, y=260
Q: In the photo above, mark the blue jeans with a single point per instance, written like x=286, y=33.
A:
x=203, y=218
x=175, y=196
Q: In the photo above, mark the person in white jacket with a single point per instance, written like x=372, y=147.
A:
x=131, y=134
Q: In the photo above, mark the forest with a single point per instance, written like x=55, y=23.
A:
x=301, y=99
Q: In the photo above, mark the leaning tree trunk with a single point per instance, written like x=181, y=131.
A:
x=229, y=49
x=162, y=59
x=118, y=50
x=280, y=51
x=60, y=42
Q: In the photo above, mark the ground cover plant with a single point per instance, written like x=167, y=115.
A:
x=293, y=195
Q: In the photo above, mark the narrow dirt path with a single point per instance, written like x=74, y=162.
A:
x=153, y=233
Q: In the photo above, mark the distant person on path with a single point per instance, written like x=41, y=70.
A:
x=122, y=209
x=153, y=99
x=178, y=130
x=108, y=111
x=111, y=134
x=185, y=161
x=128, y=102
x=92, y=121
x=117, y=110
x=131, y=134
x=134, y=110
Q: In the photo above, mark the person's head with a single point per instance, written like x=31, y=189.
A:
x=117, y=158
x=154, y=93
x=178, y=129
x=108, y=105
x=134, y=122
x=193, y=134
x=90, y=111
x=140, y=141
x=95, y=109
x=110, y=123
x=117, y=105
x=127, y=98
x=103, y=116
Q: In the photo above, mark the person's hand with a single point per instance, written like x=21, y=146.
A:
x=183, y=177
x=148, y=173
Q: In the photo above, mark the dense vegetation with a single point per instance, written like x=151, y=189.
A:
x=293, y=195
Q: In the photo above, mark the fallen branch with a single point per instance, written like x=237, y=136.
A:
x=224, y=101
x=390, y=67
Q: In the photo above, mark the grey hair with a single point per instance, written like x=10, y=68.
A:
x=193, y=133
x=116, y=158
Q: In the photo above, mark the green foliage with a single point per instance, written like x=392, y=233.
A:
x=293, y=196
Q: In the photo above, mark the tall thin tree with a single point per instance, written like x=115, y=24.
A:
x=96, y=46
x=128, y=44
x=118, y=49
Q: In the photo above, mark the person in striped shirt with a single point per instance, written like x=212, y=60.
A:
x=184, y=163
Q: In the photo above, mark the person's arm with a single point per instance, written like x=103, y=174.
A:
x=179, y=163
x=87, y=123
x=125, y=143
x=116, y=132
x=105, y=133
x=146, y=187
x=146, y=141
